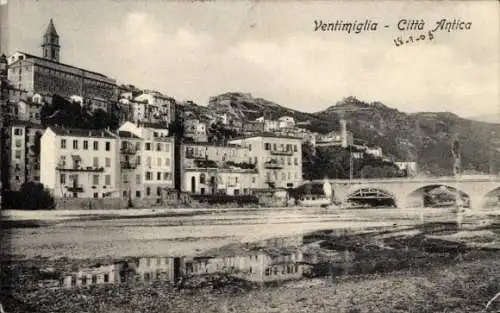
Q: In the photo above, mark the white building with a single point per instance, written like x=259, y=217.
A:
x=409, y=167
x=375, y=151
x=286, y=122
x=80, y=163
x=152, y=107
x=196, y=130
x=279, y=159
x=217, y=169
x=148, y=157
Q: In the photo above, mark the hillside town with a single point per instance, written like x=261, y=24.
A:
x=157, y=150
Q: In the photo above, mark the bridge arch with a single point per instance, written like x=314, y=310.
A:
x=370, y=195
x=436, y=194
x=492, y=198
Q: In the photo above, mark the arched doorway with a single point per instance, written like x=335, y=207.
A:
x=371, y=197
x=193, y=184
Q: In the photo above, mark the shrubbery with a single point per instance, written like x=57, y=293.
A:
x=31, y=196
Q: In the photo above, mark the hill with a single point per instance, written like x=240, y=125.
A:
x=422, y=137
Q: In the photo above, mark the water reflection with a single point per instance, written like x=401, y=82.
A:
x=276, y=259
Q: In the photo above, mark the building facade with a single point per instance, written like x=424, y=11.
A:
x=217, y=169
x=196, y=130
x=22, y=145
x=278, y=159
x=47, y=76
x=147, y=162
x=80, y=163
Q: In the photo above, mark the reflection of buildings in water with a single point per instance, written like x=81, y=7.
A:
x=145, y=269
x=276, y=259
x=98, y=275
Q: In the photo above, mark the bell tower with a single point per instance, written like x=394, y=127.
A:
x=50, y=44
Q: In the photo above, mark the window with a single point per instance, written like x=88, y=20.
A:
x=85, y=145
x=165, y=176
x=148, y=161
x=148, y=193
x=275, y=146
x=253, y=179
x=250, y=147
x=158, y=191
x=96, y=145
x=62, y=160
x=96, y=161
x=158, y=176
x=167, y=147
x=296, y=161
x=138, y=179
x=159, y=162
x=236, y=180
x=267, y=146
x=149, y=175
x=18, y=154
x=94, y=279
x=289, y=176
x=95, y=179
x=203, y=178
x=267, y=272
x=137, y=194
x=148, y=146
x=108, y=145
x=106, y=278
x=19, y=132
x=289, y=161
x=18, y=143
x=158, y=147
x=84, y=280
x=283, y=176
x=167, y=161
x=63, y=143
x=294, y=148
x=107, y=180
x=62, y=178
x=75, y=144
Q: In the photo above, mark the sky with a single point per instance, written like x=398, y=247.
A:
x=195, y=50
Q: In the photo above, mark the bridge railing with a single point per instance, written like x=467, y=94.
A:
x=417, y=179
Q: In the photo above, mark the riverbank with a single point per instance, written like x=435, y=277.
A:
x=432, y=267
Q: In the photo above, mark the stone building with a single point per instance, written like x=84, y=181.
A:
x=47, y=75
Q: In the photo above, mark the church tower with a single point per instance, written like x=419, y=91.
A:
x=50, y=44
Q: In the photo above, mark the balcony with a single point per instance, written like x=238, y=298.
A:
x=76, y=188
x=273, y=164
x=80, y=169
x=128, y=165
x=128, y=150
x=281, y=152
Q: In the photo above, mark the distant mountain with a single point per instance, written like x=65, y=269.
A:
x=487, y=118
x=422, y=137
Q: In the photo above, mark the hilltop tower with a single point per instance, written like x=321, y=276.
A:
x=50, y=44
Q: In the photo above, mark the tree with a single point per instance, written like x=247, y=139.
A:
x=31, y=196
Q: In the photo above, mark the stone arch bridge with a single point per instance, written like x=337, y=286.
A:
x=409, y=192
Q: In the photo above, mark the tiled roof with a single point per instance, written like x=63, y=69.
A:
x=77, y=132
x=63, y=64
